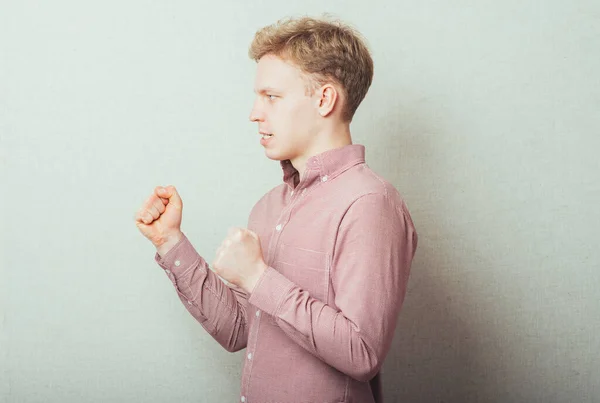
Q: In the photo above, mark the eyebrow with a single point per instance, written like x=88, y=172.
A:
x=267, y=89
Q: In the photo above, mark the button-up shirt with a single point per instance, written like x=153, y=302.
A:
x=338, y=243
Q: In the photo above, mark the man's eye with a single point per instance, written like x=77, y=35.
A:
x=271, y=96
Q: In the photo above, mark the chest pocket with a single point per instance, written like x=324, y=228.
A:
x=307, y=268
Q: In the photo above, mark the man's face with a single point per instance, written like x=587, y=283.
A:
x=283, y=109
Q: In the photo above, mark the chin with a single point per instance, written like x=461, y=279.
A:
x=276, y=155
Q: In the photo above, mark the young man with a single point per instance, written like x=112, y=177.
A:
x=316, y=281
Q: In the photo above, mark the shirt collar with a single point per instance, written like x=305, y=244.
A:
x=326, y=165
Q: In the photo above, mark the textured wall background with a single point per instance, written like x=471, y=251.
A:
x=484, y=114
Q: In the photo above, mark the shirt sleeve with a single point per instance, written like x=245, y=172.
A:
x=221, y=310
x=374, y=248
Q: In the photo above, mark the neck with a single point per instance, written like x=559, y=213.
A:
x=327, y=140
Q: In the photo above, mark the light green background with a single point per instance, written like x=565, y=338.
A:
x=484, y=114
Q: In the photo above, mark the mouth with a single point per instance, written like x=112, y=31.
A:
x=265, y=138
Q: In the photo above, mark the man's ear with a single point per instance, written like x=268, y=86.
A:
x=327, y=97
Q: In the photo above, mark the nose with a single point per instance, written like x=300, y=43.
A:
x=256, y=115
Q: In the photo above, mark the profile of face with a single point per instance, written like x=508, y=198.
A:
x=287, y=115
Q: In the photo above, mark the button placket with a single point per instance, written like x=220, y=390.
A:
x=285, y=212
x=255, y=328
x=252, y=346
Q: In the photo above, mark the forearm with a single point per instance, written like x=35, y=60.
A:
x=219, y=309
x=321, y=329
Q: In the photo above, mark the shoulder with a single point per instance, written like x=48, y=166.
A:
x=366, y=186
x=377, y=205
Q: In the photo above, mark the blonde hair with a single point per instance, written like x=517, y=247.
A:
x=326, y=50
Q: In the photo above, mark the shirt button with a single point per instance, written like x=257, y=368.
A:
x=168, y=271
x=278, y=227
x=189, y=302
x=257, y=314
x=177, y=263
x=324, y=179
x=292, y=192
x=250, y=356
x=243, y=399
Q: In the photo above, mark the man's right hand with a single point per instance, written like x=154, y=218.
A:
x=159, y=218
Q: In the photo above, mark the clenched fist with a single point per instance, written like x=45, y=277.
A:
x=239, y=259
x=159, y=218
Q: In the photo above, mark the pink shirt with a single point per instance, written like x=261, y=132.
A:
x=320, y=321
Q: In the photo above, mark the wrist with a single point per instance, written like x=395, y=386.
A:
x=168, y=242
x=253, y=281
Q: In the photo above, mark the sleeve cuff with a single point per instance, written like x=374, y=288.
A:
x=179, y=258
x=270, y=290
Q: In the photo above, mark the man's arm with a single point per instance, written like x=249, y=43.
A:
x=375, y=245
x=219, y=309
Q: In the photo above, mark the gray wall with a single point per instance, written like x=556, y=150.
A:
x=485, y=115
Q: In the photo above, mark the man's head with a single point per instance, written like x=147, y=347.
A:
x=311, y=77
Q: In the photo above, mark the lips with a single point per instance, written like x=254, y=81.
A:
x=265, y=138
x=265, y=134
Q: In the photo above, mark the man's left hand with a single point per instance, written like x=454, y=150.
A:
x=239, y=259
